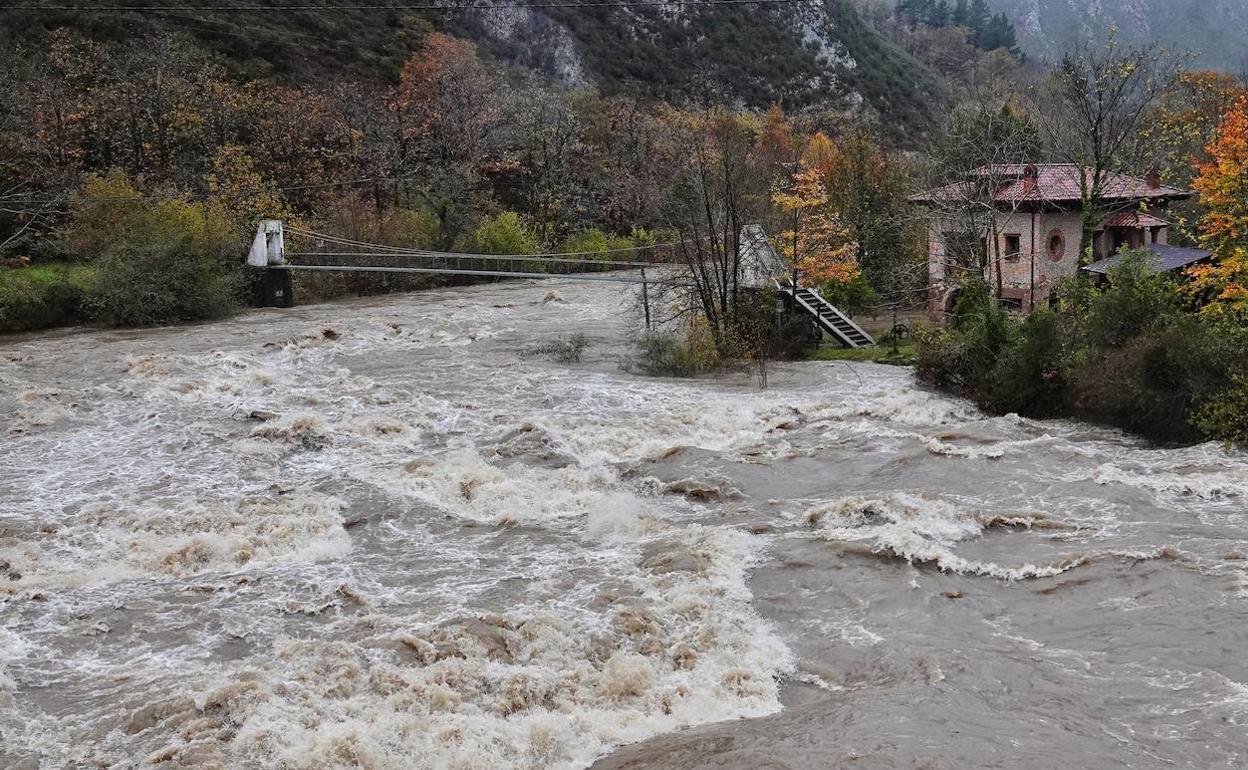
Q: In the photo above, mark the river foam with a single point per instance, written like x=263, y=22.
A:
x=110, y=541
x=677, y=644
x=921, y=530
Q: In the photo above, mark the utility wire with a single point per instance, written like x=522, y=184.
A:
x=405, y=6
x=207, y=196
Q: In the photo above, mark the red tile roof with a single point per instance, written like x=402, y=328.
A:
x=1055, y=183
x=1135, y=219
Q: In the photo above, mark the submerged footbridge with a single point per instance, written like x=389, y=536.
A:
x=279, y=248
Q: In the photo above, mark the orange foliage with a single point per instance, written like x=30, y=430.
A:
x=1188, y=116
x=445, y=98
x=816, y=244
x=1223, y=188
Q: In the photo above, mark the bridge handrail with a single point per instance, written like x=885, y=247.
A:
x=378, y=247
x=454, y=255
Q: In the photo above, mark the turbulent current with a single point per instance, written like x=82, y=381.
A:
x=401, y=533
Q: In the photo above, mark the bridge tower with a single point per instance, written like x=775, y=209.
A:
x=268, y=253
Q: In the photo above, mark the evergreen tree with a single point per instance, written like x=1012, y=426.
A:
x=940, y=15
x=915, y=11
x=961, y=13
x=978, y=20
x=1000, y=34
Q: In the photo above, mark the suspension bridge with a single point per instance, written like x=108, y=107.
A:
x=280, y=248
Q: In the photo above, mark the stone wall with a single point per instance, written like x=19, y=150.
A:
x=1049, y=250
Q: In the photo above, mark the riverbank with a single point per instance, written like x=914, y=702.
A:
x=904, y=355
x=43, y=296
x=1130, y=353
x=58, y=295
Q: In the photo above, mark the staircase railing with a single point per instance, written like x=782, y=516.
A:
x=853, y=337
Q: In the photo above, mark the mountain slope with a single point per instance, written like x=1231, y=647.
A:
x=800, y=55
x=1216, y=30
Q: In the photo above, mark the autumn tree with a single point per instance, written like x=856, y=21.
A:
x=1183, y=125
x=719, y=192
x=635, y=155
x=547, y=173
x=816, y=245
x=235, y=185
x=867, y=185
x=27, y=204
x=1094, y=110
x=450, y=117
x=373, y=135
x=1222, y=288
x=1186, y=118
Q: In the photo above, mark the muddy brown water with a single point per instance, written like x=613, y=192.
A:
x=396, y=533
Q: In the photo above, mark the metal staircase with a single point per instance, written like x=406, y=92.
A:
x=828, y=316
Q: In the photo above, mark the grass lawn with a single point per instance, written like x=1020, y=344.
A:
x=47, y=274
x=42, y=296
x=880, y=354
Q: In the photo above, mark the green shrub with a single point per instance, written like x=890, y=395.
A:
x=854, y=297
x=157, y=262
x=1124, y=354
x=505, y=233
x=1134, y=301
x=163, y=283
x=410, y=229
x=1158, y=383
x=962, y=356
x=1028, y=377
x=1225, y=416
x=595, y=241
x=41, y=297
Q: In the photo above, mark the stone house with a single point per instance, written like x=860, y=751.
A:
x=1024, y=223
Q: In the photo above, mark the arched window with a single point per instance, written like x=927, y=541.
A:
x=1057, y=246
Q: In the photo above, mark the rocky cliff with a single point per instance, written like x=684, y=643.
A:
x=801, y=55
x=1215, y=30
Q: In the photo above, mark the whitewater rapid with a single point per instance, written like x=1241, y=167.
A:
x=397, y=532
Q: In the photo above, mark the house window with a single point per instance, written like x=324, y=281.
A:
x=1013, y=247
x=1057, y=246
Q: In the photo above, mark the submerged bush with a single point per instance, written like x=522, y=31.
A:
x=666, y=354
x=1028, y=376
x=1225, y=416
x=962, y=355
x=565, y=350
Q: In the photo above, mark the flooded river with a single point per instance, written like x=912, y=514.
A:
x=395, y=533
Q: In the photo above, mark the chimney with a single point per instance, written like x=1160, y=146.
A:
x=1031, y=178
x=1154, y=178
